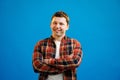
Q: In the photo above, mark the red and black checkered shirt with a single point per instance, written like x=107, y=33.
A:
x=46, y=49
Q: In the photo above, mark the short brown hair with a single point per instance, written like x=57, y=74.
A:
x=61, y=14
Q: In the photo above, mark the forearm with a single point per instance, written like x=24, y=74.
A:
x=42, y=67
x=66, y=63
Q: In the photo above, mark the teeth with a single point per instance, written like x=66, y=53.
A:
x=58, y=30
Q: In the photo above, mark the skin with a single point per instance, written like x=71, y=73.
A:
x=59, y=27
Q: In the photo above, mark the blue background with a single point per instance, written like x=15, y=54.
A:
x=95, y=23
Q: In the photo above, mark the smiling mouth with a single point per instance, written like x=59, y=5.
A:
x=57, y=30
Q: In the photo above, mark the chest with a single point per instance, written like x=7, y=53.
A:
x=49, y=49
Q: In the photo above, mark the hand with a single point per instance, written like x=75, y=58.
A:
x=46, y=61
x=71, y=55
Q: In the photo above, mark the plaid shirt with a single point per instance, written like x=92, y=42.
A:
x=46, y=49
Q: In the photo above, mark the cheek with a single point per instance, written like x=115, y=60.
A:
x=65, y=28
x=51, y=26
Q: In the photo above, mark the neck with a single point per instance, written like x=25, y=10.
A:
x=58, y=38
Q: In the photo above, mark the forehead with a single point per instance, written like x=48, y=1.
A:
x=59, y=19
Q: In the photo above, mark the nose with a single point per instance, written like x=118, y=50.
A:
x=58, y=25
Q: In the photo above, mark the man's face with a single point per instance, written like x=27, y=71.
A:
x=59, y=26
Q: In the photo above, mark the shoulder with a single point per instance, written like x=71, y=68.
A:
x=74, y=41
x=43, y=41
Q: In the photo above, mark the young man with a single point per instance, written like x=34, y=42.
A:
x=57, y=57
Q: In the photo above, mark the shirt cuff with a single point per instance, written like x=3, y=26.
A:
x=52, y=61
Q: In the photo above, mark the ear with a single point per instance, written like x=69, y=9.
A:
x=67, y=27
x=50, y=24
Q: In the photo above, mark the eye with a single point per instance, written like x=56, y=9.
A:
x=54, y=23
x=61, y=23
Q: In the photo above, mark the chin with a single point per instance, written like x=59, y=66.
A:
x=58, y=35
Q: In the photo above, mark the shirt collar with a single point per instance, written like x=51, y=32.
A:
x=52, y=38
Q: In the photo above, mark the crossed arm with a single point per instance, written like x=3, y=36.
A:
x=58, y=65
